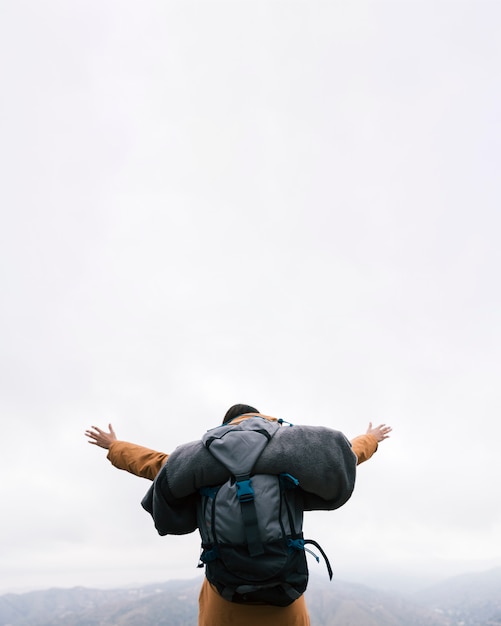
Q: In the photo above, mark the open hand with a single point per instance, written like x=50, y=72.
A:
x=380, y=432
x=100, y=437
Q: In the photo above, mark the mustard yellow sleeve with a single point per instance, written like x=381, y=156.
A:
x=135, y=459
x=364, y=447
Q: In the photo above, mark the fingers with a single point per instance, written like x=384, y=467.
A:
x=100, y=437
x=380, y=432
x=93, y=436
x=95, y=431
x=384, y=430
x=96, y=435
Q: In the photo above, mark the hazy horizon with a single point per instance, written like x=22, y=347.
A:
x=387, y=582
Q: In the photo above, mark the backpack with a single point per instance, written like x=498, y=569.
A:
x=251, y=526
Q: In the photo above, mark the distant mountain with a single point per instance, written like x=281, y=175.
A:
x=348, y=604
x=175, y=603
x=470, y=599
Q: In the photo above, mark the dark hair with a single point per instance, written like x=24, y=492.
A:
x=236, y=410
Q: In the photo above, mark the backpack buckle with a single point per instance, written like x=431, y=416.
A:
x=245, y=492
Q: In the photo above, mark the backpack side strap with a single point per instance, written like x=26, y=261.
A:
x=319, y=548
x=299, y=544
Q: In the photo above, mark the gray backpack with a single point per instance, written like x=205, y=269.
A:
x=251, y=526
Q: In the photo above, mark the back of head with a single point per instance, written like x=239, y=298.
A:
x=236, y=410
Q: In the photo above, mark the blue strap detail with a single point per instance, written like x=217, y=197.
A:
x=287, y=481
x=245, y=492
x=281, y=421
x=296, y=544
x=210, y=492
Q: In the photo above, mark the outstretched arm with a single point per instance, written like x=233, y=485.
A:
x=130, y=457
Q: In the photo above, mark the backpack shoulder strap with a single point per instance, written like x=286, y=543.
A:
x=245, y=494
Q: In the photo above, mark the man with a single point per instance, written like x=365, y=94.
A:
x=213, y=609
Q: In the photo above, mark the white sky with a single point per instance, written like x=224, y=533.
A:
x=292, y=205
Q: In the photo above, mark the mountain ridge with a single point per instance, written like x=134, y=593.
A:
x=469, y=600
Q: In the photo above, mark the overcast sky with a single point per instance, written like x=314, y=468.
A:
x=291, y=205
